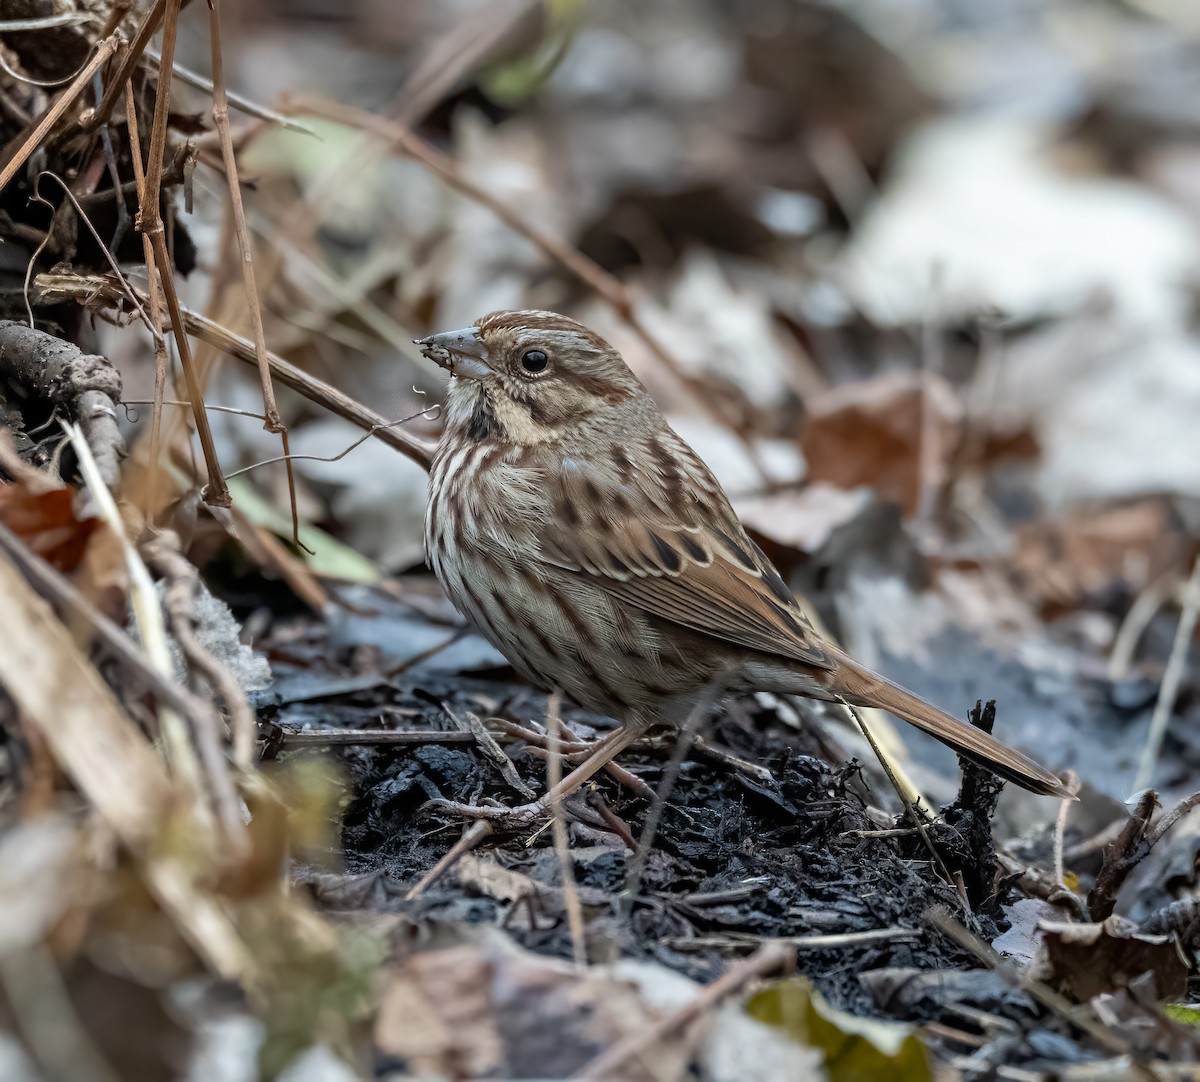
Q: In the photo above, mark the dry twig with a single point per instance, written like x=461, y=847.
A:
x=1171, y=679
x=97, y=289
x=607, y=287
x=17, y=152
x=769, y=957
x=87, y=387
x=150, y=223
x=566, y=869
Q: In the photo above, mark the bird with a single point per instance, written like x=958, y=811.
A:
x=591, y=545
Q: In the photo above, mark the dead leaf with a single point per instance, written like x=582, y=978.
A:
x=1090, y=552
x=46, y=522
x=1095, y=959
x=493, y=880
x=874, y=433
x=472, y=1011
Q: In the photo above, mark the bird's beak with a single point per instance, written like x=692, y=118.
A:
x=461, y=353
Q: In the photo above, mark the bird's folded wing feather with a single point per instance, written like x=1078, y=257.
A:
x=678, y=552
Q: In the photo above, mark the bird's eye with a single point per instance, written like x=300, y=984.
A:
x=534, y=360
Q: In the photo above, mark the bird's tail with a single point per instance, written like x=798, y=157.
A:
x=862, y=687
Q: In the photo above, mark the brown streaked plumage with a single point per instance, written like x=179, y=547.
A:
x=598, y=553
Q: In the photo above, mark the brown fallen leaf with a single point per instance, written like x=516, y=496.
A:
x=476, y=1011
x=884, y=432
x=1092, y=551
x=45, y=520
x=1094, y=959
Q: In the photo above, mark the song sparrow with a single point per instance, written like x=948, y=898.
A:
x=596, y=551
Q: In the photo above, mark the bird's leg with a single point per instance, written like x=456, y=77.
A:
x=604, y=752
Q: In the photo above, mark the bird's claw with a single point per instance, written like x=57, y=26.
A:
x=518, y=818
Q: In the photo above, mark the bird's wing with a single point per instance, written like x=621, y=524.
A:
x=655, y=530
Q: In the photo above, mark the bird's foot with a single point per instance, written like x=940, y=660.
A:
x=521, y=817
x=535, y=814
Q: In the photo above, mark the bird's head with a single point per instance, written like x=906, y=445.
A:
x=528, y=377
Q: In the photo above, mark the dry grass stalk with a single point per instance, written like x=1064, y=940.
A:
x=18, y=151
x=65, y=700
x=155, y=305
x=272, y=422
x=558, y=822
x=1172, y=678
x=766, y=959
x=129, y=61
x=150, y=223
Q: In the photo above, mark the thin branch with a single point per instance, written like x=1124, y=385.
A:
x=608, y=1064
x=96, y=289
x=124, y=73
x=220, y=113
x=261, y=112
x=17, y=152
x=562, y=849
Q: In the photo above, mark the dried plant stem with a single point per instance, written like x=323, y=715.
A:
x=129, y=59
x=150, y=223
x=472, y=837
x=1046, y=996
x=182, y=580
x=155, y=304
x=910, y=806
x=93, y=289
x=562, y=850
x=1171, y=679
x=609, y=288
x=17, y=152
x=220, y=112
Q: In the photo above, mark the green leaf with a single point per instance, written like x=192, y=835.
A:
x=856, y=1049
x=330, y=558
x=1187, y=1013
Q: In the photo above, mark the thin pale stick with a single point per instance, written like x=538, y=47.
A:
x=220, y=114
x=472, y=837
x=318, y=738
x=18, y=151
x=917, y=818
x=245, y=105
x=566, y=869
x=1060, y=827
x=1169, y=688
x=155, y=303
